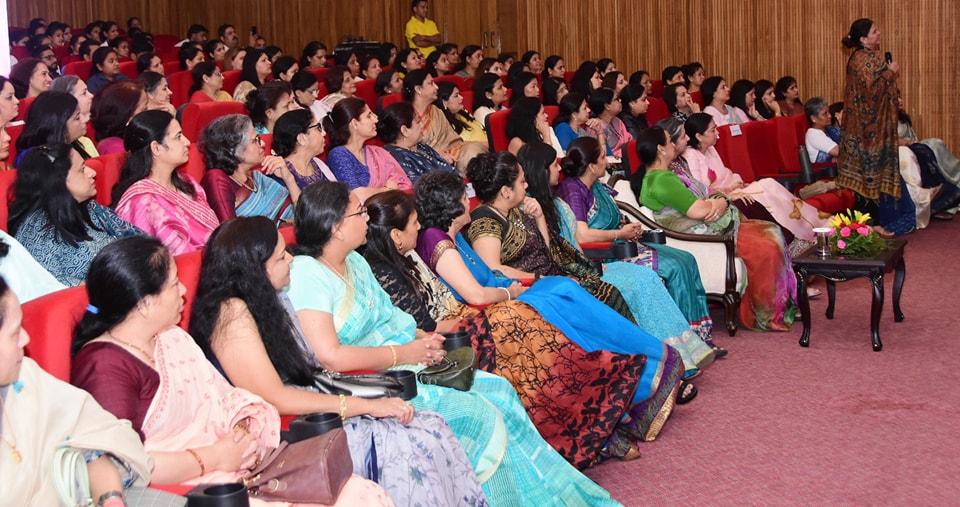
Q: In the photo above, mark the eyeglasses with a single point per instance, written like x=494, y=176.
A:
x=363, y=211
x=318, y=126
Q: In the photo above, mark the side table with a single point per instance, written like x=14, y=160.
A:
x=840, y=269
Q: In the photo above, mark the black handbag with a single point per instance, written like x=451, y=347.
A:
x=455, y=370
x=391, y=384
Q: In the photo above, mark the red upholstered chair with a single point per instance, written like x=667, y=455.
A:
x=656, y=88
x=108, y=174
x=698, y=98
x=80, y=69
x=196, y=117
x=7, y=179
x=231, y=79
x=456, y=80
x=791, y=131
x=180, y=83
x=195, y=166
x=467, y=100
x=468, y=82
x=657, y=110
x=165, y=41
x=633, y=160
x=734, y=152
x=169, y=67
x=568, y=76
x=497, y=130
x=322, y=90
x=320, y=72
x=289, y=234
x=50, y=320
x=267, y=140
x=390, y=99
x=367, y=92
x=552, y=113
x=24, y=108
x=129, y=69
x=20, y=52
x=833, y=202
x=761, y=138
x=188, y=270
x=14, y=131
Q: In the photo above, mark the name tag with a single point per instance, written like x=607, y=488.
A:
x=735, y=130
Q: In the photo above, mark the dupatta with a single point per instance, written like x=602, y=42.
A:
x=180, y=222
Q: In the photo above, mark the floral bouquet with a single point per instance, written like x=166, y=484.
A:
x=853, y=237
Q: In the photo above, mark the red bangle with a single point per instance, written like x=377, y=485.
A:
x=196, y=456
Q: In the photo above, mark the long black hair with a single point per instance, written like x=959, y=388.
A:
x=535, y=159
x=387, y=211
x=320, y=208
x=569, y=105
x=522, y=120
x=234, y=267
x=438, y=195
x=249, y=72
x=47, y=120
x=738, y=94
x=201, y=70
x=483, y=85
x=760, y=88
x=581, y=82
x=444, y=90
x=288, y=127
x=520, y=82
x=120, y=276
x=143, y=130
x=42, y=185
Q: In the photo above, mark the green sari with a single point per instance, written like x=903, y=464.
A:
x=512, y=461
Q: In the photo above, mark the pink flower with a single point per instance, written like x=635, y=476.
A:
x=845, y=232
x=864, y=231
x=841, y=244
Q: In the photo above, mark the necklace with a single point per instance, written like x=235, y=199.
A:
x=346, y=282
x=14, y=452
x=244, y=184
x=515, y=220
x=133, y=346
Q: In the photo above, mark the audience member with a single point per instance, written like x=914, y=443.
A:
x=357, y=164
x=112, y=109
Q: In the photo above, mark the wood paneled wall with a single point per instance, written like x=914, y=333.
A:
x=737, y=39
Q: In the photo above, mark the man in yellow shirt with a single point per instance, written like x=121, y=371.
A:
x=422, y=33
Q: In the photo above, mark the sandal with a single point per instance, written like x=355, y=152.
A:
x=686, y=393
x=718, y=351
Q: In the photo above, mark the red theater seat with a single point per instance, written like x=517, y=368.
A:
x=231, y=79
x=50, y=320
x=656, y=88
x=367, y=92
x=568, y=76
x=195, y=166
x=497, y=130
x=467, y=100
x=197, y=116
x=180, y=83
x=171, y=67
x=188, y=270
x=80, y=69
x=108, y=174
x=129, y=69
x=734, y=152
x=165, y=41
x=7, y=179
x=390, y=99
x=791, y=131
x=698, y=98
x=761, y=138
x=657, y=110
x=630, y=153
x=320, y=72
x=457, y=81
x=24, y=108
x=552, y=113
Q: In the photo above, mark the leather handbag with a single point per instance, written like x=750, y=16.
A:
x=308, y=471
x=375, y=385
x=455, y=370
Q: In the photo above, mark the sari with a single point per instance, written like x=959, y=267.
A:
x=512, y=461
x=596, y=206
x=575, y=313
x=44, y=414
x=194, y=406
x=419, y=161
x=787, y=209
x=769, y=300
x=182, y=223
x=374, y=171
x=320, y=173
x=541, y=363
x=523, y=248
x=23, y=274
x=269, y=197
x=439, y=135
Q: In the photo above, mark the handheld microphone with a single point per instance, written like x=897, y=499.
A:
x=889, y=56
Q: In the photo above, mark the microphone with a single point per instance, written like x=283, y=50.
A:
x=888, y=56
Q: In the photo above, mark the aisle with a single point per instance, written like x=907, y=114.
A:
x=776, y=424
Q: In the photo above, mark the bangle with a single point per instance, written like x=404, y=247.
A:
x=616, y=234
x=507, y=291
x=343, y=408
x=196, y=456
x=105, y=499
x=393, y=350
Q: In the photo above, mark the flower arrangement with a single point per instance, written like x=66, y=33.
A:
x=853, y=237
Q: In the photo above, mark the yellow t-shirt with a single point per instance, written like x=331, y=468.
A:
x=417, y=27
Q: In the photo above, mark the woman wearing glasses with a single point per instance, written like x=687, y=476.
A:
x=298, y=138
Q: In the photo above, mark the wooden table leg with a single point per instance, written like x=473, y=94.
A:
x=876, y=309
x=831, y=297
x=900, y=272
x=804, y=302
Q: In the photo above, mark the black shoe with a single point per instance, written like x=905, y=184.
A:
x=718, y=351
x=686, y=393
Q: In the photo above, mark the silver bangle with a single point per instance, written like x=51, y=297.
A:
x=504, y=289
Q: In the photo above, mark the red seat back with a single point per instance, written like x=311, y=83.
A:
x=467, y=100
x=14, y=131
x=320, y=72
x=188, y=270
x=734, y=152
x=7, y=179
x=790, y=135
x=196, y=116
x=552, y=113
x=457, y=81
x=50, y=321
x=698, y=98
x=656, y=88
x=80, y=69
x=656, y=111
x=108, y=174
x=267, y=140
x=761, y=139
x=630, y=153
x=391, y=99
x=180, y=83
x=24, y=107
x=165, y=41
x=289, y=235
x=195, y=166
x=129, y=69
x=171, y=67
x=497, y=129
x=568, y=76
x=367, y=92
x=231, y=79
x=20, y=52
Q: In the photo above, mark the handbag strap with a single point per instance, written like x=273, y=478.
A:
x=70, y=476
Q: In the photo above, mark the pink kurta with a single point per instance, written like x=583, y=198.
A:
x=789, y=211
x=180, y=222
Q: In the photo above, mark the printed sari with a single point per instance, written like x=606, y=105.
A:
x=180, y=222
x=374, y=171
x=439, y=135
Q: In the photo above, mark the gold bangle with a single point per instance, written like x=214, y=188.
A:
x=343, y=408
x=393, y=350
x=196, y=456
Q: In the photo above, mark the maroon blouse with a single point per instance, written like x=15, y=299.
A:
x=221, y=192
x=121, y=383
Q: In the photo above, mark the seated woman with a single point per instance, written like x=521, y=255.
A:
x=257, y=69
x=683, y=203
x=306, y=89
x=349, y=323
x=761, y=199
x=489, y=94
x=245, y=324
x=370, y=68
x=678, y=101
x=54, y=216
x=947, y=162
x=716, y=94
x=525, y=85
x=387, y=83
x=642, y=78
x=768, y=107
x=105, y=70
x=313, y=56
x=554, y=90
x=554, y=67
x=820, y=148
x=420, y=90
x=233, y=60
x=284, y=68
x=150, y=62
x=30, y=78
x=450, y=101
x=438, y=64
x=590, y=213
x=340, y=85
x=207, y=84
x=787, y=94
x=268, y=103
x=743, y=97
x=532, y=62
x=605, y=107
x=158, y=92
x=694, y=77
x=402, y=131
x=214, y=51
x=574, y=121
x=492, y=66
x=527, y=123
x=51, y=412
x=130, y=355
x=76, y=87
x=298, y=138
x=152, y=194
x=471, y=55
x=189, y=56
x=616, y=81
x=836, y=119
x=354, y=162
x=112, y=109
x=54, y=118
x=350, y=60
x=408, y=60
x=25, y=276
x=586, y=79
x=231, y=149
x=929, y=187
x=634, y=104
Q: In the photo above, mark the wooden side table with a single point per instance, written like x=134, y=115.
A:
x=840, y=269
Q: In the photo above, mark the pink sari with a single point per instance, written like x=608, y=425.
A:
x=789, y=211
x=382, y=166
x=180, y=222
